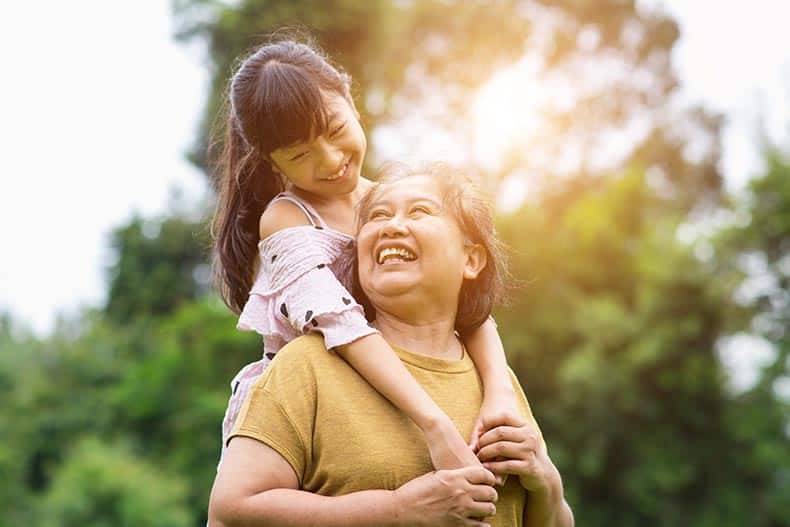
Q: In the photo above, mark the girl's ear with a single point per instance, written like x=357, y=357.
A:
x=274, y=166
x=476, y=260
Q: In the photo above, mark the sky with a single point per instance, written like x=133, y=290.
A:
x=99, y=104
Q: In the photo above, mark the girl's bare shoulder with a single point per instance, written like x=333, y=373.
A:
x=281, y=214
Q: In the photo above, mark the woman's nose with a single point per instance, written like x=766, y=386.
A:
x=394, y=226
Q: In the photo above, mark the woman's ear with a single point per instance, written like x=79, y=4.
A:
x=476, y=260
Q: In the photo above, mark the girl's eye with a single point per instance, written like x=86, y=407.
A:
x=377, y=214
x=422, y=209
x=337, y=130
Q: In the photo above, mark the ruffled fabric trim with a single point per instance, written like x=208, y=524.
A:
x=289, y=253
x=316, y=301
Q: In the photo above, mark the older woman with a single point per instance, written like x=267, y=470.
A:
x=316, y=445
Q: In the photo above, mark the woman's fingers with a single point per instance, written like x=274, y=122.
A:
x=511, y=466
x=516, y=434
x=478, y=475
x=479, y=509
x=484, y=493
x=502, y=419
x=503, y=449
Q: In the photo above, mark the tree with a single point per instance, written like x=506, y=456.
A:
x=160, y=266
x=610, y=58
x=108, y=486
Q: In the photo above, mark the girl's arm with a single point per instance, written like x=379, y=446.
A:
x=373, y=358
x=485, y=348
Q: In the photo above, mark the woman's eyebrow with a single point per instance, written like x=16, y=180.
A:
x=388, y=203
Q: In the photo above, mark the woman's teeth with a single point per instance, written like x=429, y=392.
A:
x=396, y=252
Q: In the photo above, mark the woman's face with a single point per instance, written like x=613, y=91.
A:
x=330, y=164
x=411, y=247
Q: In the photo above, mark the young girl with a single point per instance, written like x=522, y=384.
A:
x=289, y=180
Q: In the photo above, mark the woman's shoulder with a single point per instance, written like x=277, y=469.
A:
x=305, y=358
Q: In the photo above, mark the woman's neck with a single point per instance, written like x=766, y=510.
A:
x=434, y=338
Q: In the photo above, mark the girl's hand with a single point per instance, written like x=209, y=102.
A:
x=513, y=446
x=503, y=402
x=447, y=447
x=494, y=405
x=447, y=498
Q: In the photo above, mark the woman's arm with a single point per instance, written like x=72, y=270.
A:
x=378, y=363
x=486, y=349
x=255, y=485
x=548, y=509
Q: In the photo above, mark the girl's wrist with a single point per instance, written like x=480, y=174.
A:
x=431, y=424
x=497, y=391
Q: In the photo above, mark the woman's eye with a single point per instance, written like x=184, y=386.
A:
x=297, y=157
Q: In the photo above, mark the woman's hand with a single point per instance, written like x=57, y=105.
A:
x=512, y=445
x=447, y=447
x=494, y=405
x=447, y=498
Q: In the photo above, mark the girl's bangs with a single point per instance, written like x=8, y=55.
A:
x=293, y=107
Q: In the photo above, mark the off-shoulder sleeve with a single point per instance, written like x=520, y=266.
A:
x=296, y=292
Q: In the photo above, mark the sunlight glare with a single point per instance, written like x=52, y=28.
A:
x=507, y=111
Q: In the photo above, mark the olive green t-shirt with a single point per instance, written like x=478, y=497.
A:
x=341, y=436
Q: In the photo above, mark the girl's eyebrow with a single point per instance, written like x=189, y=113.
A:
x=287, y=149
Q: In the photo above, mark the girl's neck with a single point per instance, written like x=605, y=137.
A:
x=434, y=338
x=339, y=212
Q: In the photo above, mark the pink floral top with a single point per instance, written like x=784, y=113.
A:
x=302, y=286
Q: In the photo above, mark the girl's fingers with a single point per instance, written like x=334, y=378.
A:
x=502, y=449
x=477, y=431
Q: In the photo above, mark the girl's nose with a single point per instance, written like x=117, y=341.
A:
x=331, y=155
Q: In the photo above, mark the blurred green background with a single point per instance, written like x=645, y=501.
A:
x=631, y=272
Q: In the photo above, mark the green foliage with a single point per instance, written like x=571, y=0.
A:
x=614, y=339
x=160, y=266
x=426, y=59
x=108, y=486
x=115, y=419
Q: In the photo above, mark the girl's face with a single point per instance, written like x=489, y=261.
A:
x=329, y=165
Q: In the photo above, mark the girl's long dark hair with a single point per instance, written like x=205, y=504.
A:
x=274, y=99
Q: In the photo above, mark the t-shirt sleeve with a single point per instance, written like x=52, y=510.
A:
x=280, y=409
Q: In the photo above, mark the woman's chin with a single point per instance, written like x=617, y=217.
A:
x=391, y=286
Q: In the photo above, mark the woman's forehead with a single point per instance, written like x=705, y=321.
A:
x=410, y=188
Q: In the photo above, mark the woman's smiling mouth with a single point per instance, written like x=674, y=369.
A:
x=395, y=255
